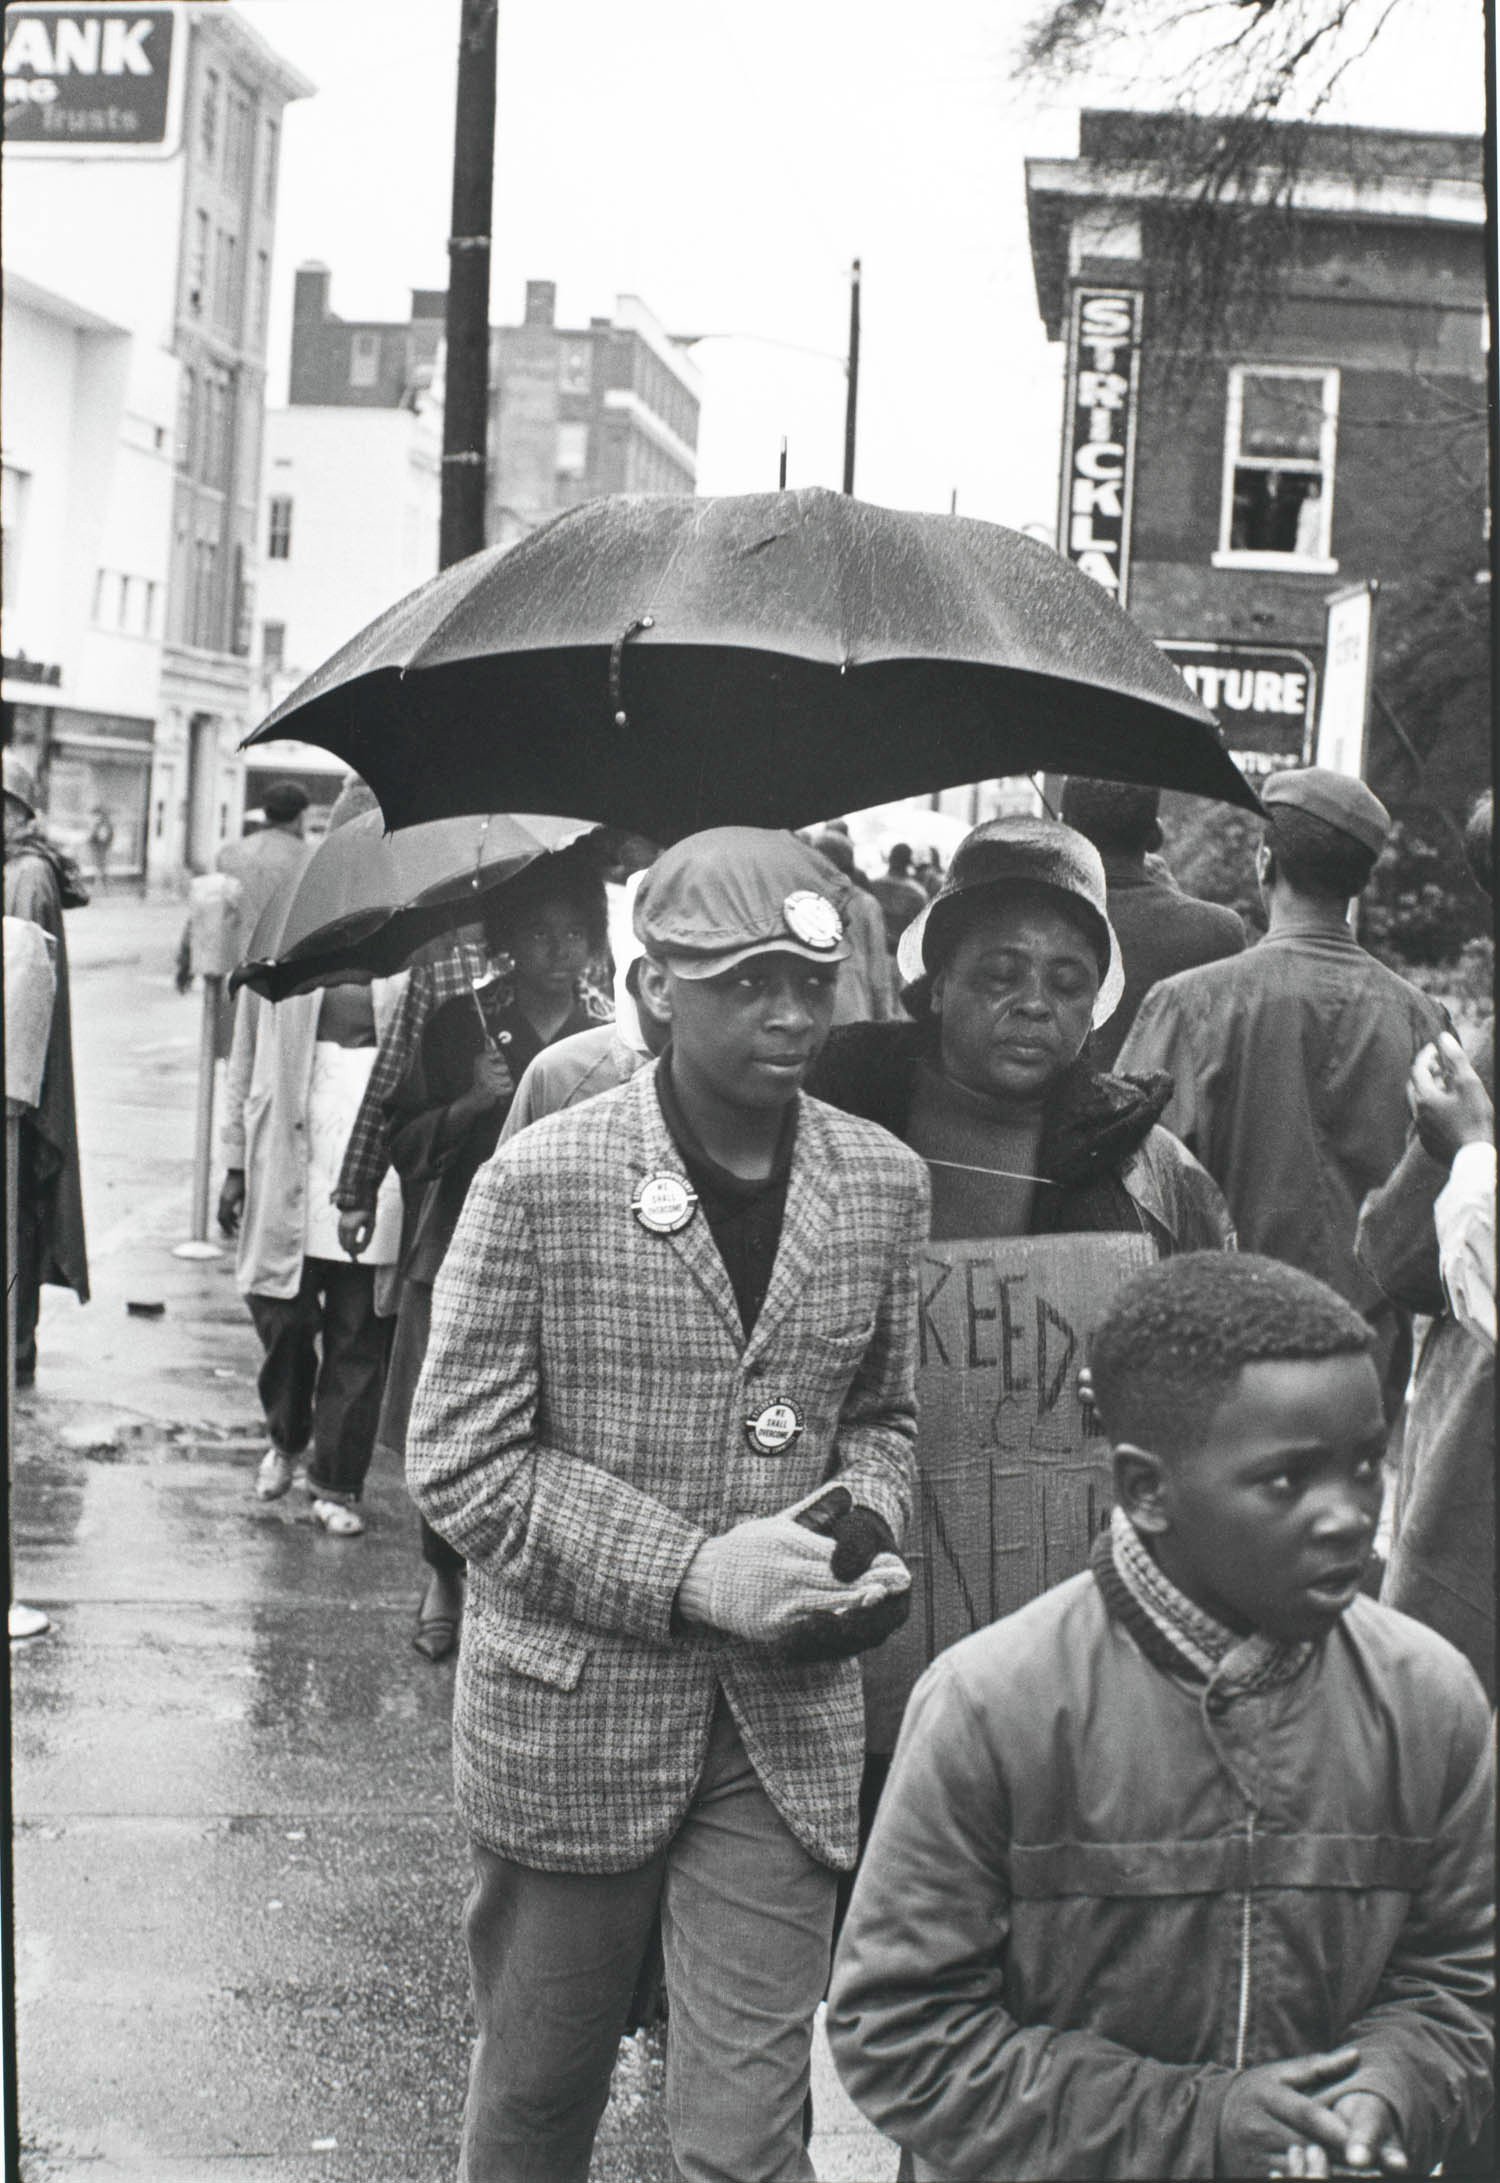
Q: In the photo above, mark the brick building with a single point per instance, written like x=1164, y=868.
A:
x=611, y=407
x=1325, y=426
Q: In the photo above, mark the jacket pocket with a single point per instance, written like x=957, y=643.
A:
x=549, y=1654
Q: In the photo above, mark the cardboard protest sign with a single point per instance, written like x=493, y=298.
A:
x=1014, y=1478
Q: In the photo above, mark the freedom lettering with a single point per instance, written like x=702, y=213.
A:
x=1013, y=1472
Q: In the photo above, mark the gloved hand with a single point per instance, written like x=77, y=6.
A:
x=756, y=1580
x=858, y=1534
x=863, y=1545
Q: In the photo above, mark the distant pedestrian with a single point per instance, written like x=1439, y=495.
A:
x=1289, y=1063
x=40, y=883
x=1161, y=928
x=297, y=1070
x=1187, y=1869
x=865, y=991
x=901, y=896
x=101, y=841
x=262, y=863
x=669, y=1321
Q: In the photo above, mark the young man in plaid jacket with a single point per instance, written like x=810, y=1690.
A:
x=667, y=1416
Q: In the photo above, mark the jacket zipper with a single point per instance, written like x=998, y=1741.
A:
x=1243, y=2024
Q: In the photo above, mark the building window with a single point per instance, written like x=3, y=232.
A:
x=96, y=611
x=187, y=419
x=268, y=167
x=239, y=125
x=205, y=571
x=272, y=647
x=262, y=294
x=208, y=114
x=1281, y=429
x=198, y=265
x=573, y=361
x=279, y=528
x=226, y=279
x=572, y=450
x=364, y=360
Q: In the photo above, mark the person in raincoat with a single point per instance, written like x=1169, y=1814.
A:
x=297, y=1072
x=1289, y=1063
x=40, y=883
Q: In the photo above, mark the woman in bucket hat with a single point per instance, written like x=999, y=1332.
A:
x=1006, y=971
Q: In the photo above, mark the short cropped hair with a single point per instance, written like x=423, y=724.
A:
x=1113, y=814
x=1178, y=1336
x=1317, y=858
x=1479, y=848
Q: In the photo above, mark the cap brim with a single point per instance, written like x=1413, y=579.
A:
x=911, y=965
x=714, y=966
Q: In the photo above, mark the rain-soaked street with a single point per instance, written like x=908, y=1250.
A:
x=238, y=1870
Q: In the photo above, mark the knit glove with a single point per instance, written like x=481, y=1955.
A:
x=757, y=1580
x=871, y=1615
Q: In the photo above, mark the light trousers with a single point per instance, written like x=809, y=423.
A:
x=746, y=1917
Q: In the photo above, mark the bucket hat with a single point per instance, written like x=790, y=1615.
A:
x=1008, y=853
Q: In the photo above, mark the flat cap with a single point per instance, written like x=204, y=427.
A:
x=1338, y=799
x=714, y=899
x=20, y=781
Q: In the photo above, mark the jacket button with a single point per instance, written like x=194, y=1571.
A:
x=755, y=1371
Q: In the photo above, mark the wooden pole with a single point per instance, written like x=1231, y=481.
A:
x=466, y=386
x=851, y=401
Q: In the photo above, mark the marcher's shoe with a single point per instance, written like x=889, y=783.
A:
x=27, y=1621
x=438, y=1619
x=338, y=1519
x=274, y=1477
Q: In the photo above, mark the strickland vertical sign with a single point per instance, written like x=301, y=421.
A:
x=1098, y=472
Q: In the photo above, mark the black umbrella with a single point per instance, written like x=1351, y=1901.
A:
x=366, y=900
x=673, y=663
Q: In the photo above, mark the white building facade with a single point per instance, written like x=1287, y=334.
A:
x=141, y=160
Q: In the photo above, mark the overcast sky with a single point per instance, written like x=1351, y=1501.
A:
x=725, y=163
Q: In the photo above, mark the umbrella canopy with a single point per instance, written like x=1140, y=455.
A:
x=757, y=660
x=366, y=900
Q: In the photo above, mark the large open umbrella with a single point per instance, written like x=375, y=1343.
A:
x=672, y=663
x=366, y=900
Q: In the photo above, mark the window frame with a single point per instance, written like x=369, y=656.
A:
x=278, y=529
x=1234, y=458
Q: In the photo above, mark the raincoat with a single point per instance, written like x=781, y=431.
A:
x=40, y=883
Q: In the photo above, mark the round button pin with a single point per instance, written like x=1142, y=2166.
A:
x=663, y=1204
x=812, y=919
x=775, y=1428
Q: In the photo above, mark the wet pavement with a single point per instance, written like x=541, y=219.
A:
x=238, y=1874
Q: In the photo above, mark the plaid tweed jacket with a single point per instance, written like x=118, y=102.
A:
x=580, y=1428
x=444, y=975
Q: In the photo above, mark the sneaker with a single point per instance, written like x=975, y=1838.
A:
x=274, y=1477
x=339, y=1520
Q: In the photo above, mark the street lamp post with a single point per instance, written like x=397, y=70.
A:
x=851, y=400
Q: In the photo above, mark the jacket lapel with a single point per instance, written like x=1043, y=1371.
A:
x=811, y=1201
x=694, y=1245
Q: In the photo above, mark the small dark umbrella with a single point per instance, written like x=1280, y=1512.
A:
x=677, y=663
x=366, y=900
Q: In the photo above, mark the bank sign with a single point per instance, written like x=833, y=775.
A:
x=1099, y=424
x=81, y=82
x=1263, y=696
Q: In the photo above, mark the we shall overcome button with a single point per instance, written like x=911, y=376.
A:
x=663, y=1204
x=775, y=1428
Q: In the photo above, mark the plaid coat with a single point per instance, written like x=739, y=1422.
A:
x=580, y=1428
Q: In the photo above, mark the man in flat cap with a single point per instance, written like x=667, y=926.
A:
x=1290, y=1062
x=667, y=1417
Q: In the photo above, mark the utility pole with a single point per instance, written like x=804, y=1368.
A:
x=466, y=387
x=851, y=401
x=781, y=475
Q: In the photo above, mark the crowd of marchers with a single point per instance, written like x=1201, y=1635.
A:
x=607, y=1221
